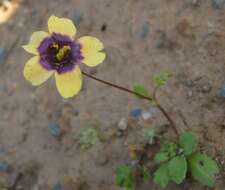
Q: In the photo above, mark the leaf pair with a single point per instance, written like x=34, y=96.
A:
x=176, y=159
x=174, y=170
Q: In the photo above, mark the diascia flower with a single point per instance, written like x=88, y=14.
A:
x=57, y=53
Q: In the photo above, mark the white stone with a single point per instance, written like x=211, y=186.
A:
x=122, y=125
x=146, y=115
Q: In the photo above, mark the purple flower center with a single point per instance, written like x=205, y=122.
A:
x=59, y=52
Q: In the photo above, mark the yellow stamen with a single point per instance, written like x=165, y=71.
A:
x=62, y=52
x=56, y=46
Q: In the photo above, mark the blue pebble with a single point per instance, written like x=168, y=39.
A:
x=58, y=186
x=2, y=56
x=218, y=4
x=136, y=113
x=4, y=167
x=2, y=151
x=145, y=30
x=54, y=129
x=222, y=90
x=77, y=17
x=2, y=87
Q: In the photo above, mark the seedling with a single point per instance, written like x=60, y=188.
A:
x=125, y=177
x=150, y=135
x=176, y=160
x=88, y=137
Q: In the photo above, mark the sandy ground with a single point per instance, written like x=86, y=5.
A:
x=141, y=38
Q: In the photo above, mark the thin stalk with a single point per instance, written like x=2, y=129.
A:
x=167, y=116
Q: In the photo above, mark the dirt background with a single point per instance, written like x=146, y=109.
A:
x=141, y=38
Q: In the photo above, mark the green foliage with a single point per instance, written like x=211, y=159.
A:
x=175, y=159
x=203, y=169
x=161, y=157
x=141, y=89
x=150, y=135
x=161, y=176
x=125, y=178
x=161, y=79
x=188, y=143
x=170, y=148
x=177, y=169
x=145, y=173
x=88, y=137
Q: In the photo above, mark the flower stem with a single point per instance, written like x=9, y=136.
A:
x=167, y=116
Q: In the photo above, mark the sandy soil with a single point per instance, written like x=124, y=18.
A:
x=186, y=38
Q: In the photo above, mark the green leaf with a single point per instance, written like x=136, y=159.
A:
x=177, y=169
x=170, y=148
x=88, y=137
x=203, y=169
x=140, y=89
x=161, y=79
x=161, y=157
x=145, y=173
x=161, y=176
x=188, y=142
x=125, y=178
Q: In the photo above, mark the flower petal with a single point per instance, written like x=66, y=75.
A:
x=93, y=58
x=35, y=73
x=61, y=25
x=90, y=48
x=35, y=40
x=69, y=83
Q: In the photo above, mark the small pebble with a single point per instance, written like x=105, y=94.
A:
x=218, y=4
x=189, y=83
x=190, y=93
x=146, y=115
x=122, y=125
x=4, y=167
x=206, y=88
x=2, y=151
x=145, y=30
x=136, y=113
x=77, y=17
x=58, y=186
x=54, y=129
x=2, y=88
x=2, y=56
x=222, y=90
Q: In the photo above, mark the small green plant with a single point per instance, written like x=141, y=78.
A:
x=145, y=174
x=150, y=135
x=161, y=79
x=88, y=137
x=175, y=160
x=125, y=177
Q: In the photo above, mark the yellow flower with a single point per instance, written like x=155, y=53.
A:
x=58, y=53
